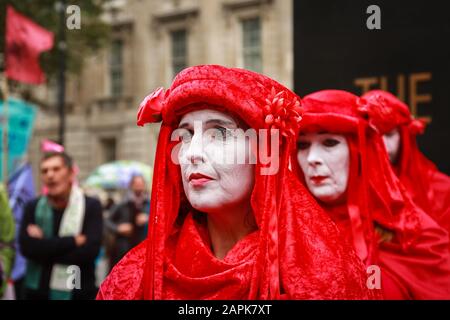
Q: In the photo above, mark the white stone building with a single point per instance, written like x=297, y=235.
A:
x=152, y=40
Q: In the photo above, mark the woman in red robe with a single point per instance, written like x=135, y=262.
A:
x=233, y=230
x=429, y=188
x=342, y=160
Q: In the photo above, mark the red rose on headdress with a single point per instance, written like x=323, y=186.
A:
x=282, y=113
x=151, y=107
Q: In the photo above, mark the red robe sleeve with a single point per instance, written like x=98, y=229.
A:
x=440, y=195
x=125, y=280
x=422, y=271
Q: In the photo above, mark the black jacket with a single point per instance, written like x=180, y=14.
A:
x=63, y=250
x=126, y=212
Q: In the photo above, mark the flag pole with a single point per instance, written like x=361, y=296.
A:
x=5, y=90
x=62, y=71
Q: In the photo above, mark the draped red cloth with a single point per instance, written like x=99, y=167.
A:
x=429, y=188
x=297, y=252
x=415, y=259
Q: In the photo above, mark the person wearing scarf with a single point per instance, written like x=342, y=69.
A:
x=60, y=236
x=429, y=188
x=341, y=158
x=232, y=230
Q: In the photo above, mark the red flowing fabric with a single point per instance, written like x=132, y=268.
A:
x=415, y=261
x=297, y=252
x=429, y=188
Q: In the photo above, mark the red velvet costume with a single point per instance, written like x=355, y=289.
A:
x=429, y=188
x=296, y=253
x=379, y=218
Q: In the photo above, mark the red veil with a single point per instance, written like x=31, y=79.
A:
x=429, y=188
x=386, y=228
x=296, y=253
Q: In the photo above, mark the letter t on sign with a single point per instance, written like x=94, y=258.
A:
x=365, y=83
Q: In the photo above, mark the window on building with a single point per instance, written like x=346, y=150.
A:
x=251, y=44
x=116, y=68
x=179, y=50
x=109, y=149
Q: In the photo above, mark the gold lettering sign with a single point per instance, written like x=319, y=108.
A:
x=413, y=80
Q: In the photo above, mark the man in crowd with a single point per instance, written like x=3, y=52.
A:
x=61, y=235
x=128, y=220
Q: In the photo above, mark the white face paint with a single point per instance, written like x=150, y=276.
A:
x=210, y=184
x=392, y=143
x=324, y=159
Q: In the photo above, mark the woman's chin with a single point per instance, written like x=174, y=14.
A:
x=204, y=205
x=331, y=199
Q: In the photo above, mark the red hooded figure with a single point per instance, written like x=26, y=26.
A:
x=341, y=158
x=294, y=250
x=429, y=188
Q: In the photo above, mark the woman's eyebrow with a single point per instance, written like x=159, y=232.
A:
x=221, y=122
x=183, y=125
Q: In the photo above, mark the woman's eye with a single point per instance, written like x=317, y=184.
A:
x=186, y=136
x=302, y=145
x=330, y=142
x=221, y=133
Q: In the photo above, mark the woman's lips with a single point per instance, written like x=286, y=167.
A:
x=198, y=179
x=318, y=179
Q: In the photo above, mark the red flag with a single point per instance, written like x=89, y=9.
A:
x=25, y=40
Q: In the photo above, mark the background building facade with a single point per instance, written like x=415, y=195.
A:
x=151, y=41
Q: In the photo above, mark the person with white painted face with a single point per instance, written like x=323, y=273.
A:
x=341, y=159
x=324, y=158
x=428, y=187
x=229, y=219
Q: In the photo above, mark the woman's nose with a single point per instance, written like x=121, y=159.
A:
x=315, y=155
x=194, y=153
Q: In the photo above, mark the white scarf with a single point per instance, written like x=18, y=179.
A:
x=71, y=225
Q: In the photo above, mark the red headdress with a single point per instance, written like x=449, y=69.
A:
x=296, y=253
x=429, y=188
x=374, y=195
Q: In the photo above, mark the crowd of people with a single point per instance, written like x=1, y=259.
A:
x=63, y=234
x=257, y=194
